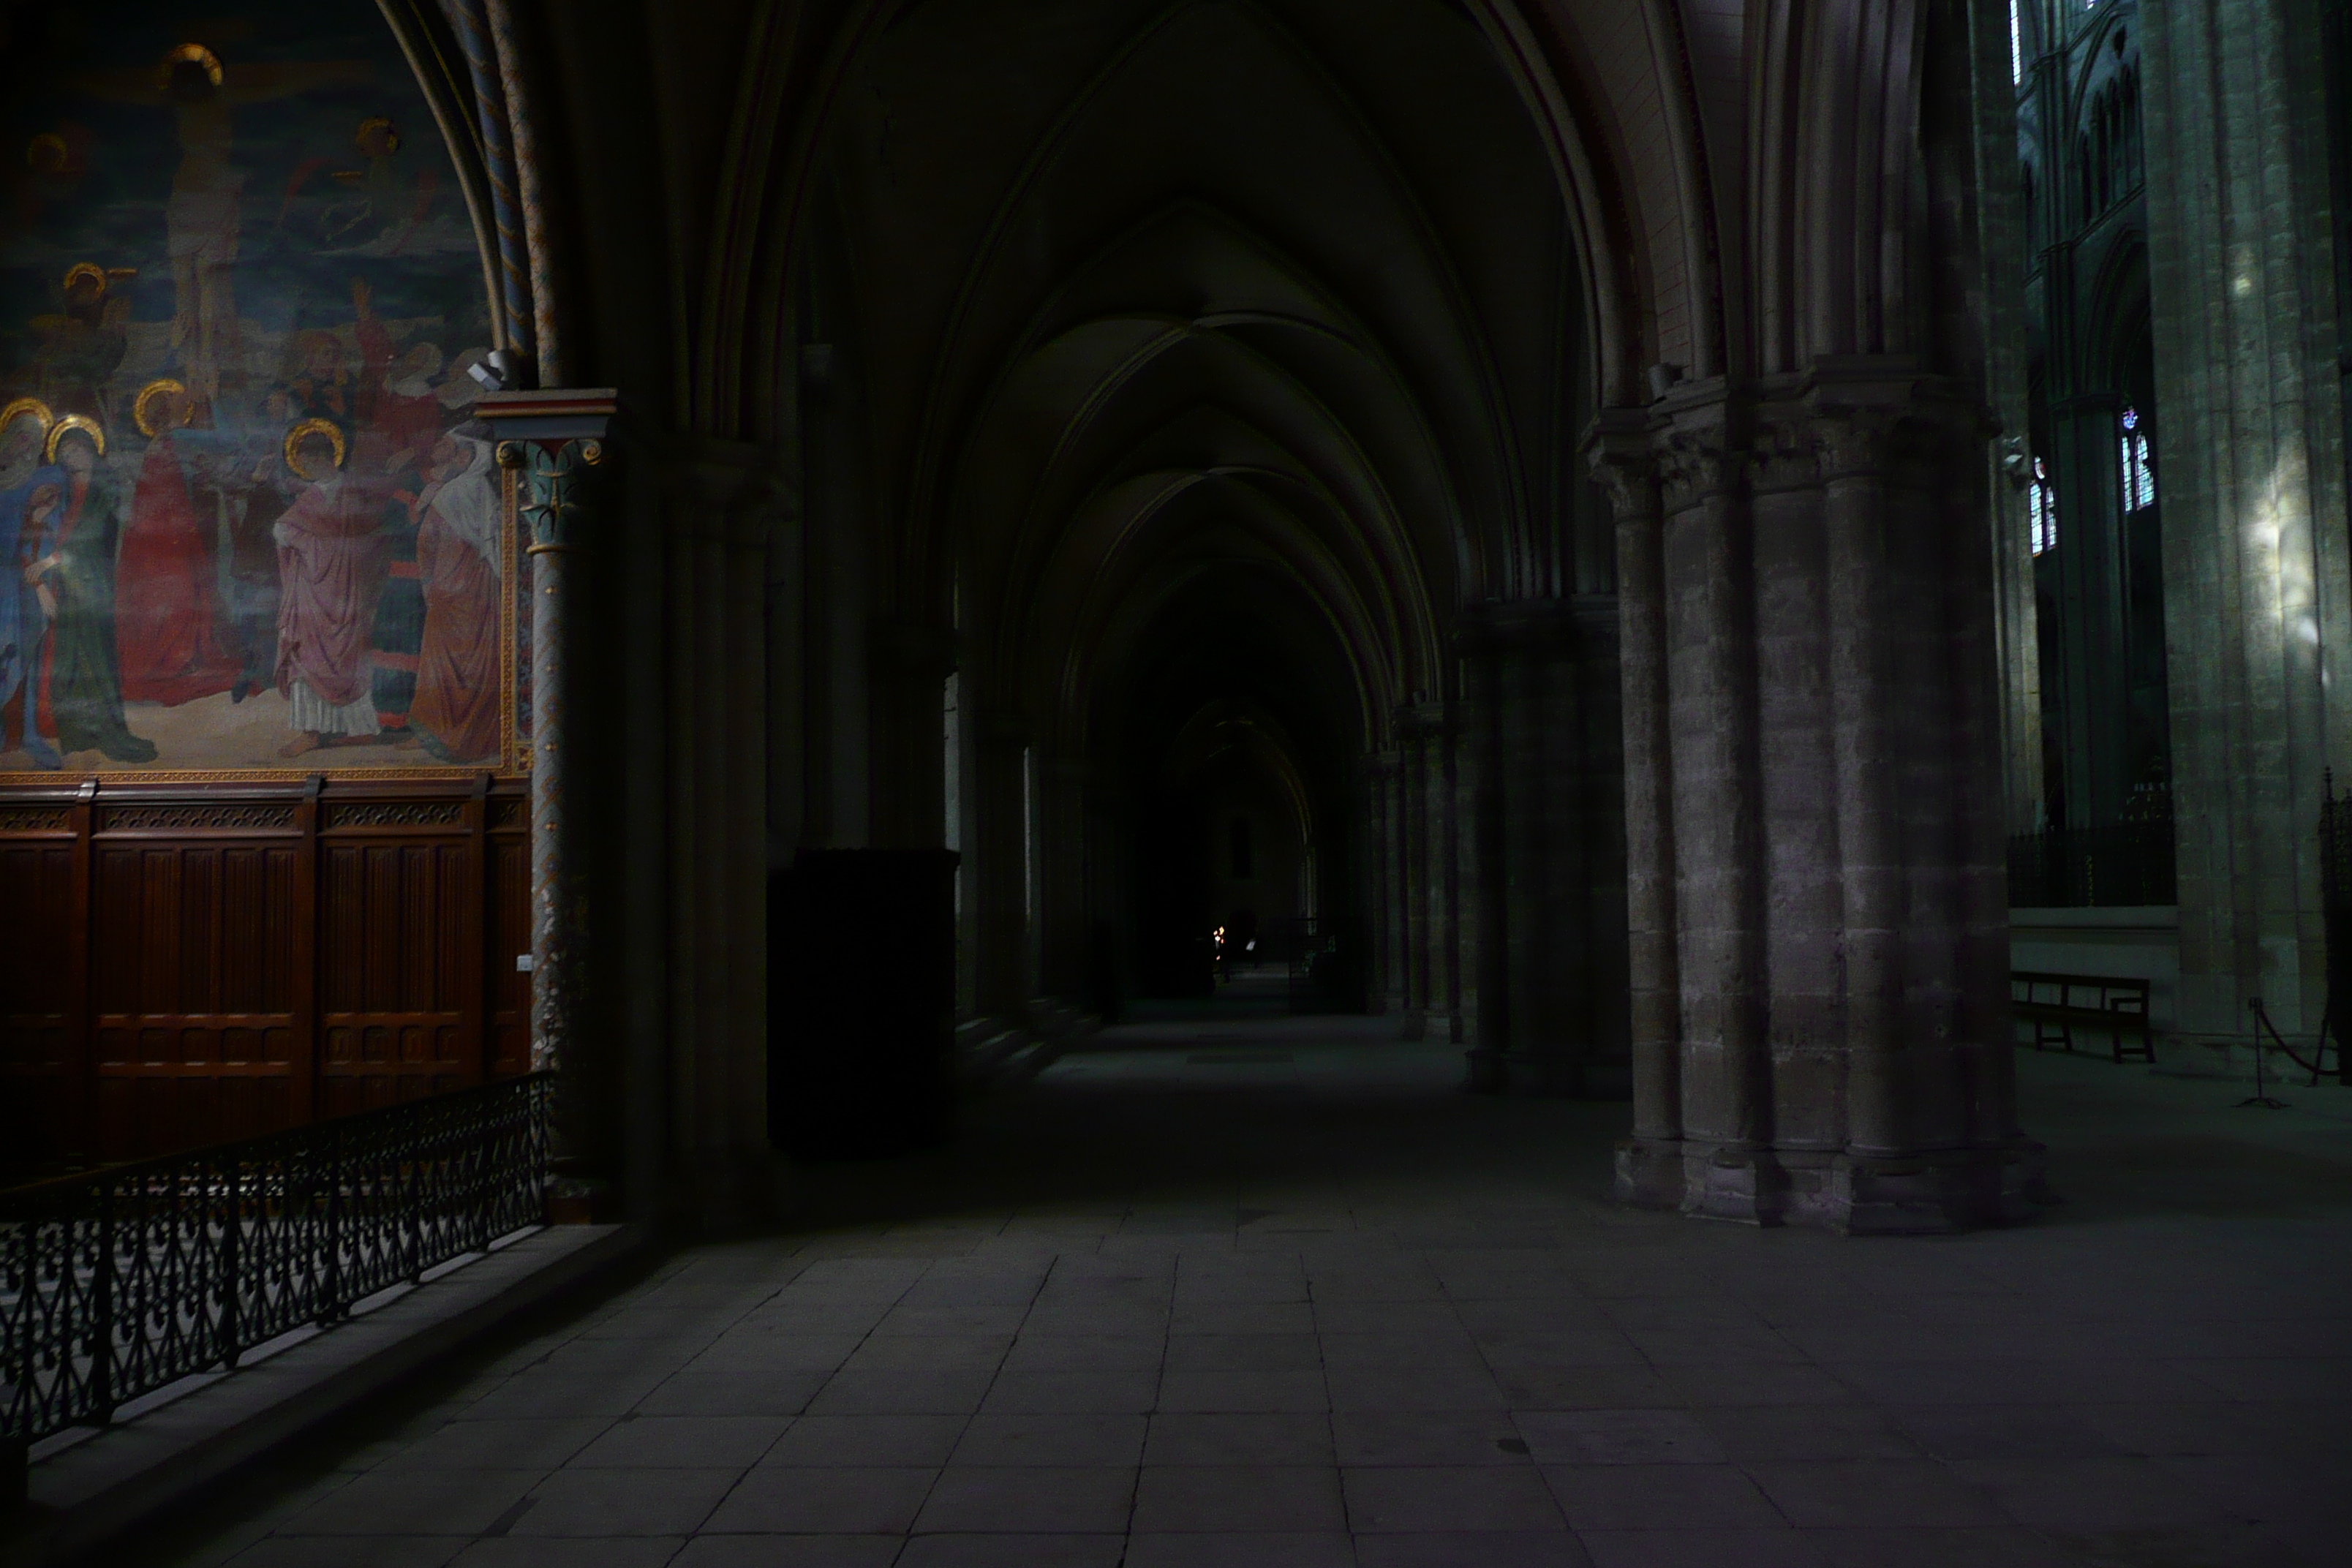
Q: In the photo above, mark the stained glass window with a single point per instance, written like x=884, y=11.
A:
x=2041, y=502
x=2138, y=474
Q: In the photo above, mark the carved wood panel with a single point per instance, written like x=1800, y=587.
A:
x=401, y=933
x=509, y=904
x=37, y=998
x=197, y=1036
x=184, y=967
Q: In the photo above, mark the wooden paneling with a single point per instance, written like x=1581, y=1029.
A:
x=508, y=862
x=40, y=1087
x=194, y=965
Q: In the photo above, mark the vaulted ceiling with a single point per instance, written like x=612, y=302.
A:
x=1134, y=293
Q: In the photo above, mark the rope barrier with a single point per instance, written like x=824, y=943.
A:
x=2279, y=1041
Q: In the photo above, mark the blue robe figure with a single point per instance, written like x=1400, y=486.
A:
x=21, y=620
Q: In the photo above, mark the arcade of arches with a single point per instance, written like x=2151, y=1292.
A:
x=1588, y=524
x=1649, y=551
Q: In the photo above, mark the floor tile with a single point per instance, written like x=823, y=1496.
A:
x=791, y=1551
x=733, y=1393
x=1072, y=1393
x=1326, y=1549
x=1427, y=1437
x=1997, y=1546
x=1780, y=1432
x=666, y=1501
x=900, y=1394
x=1638, y=1497
x=1482, y=1549
x=1225, y=1499
x=380, y=1552
x=1086, y=1352
x=1413, y=1388
x=550, y=1551
x=682, y=1441
x=1253, y=1437
x=1056, y=1551
x=385, y=1502
x=2020, y=1433
x=1708, y=1548
x=1243, y=1352
x=1244, y=1391
x=930, y=1352
x=842, y=1500
x=498, y=1444
x=2092, y=1494
x=1855, y=1493
x=1087, y=1438
x=1424, y=1498
x=1618, y=1438
x=887, y=1441
x=1032, y=1498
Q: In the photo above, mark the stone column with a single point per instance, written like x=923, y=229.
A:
x=2250, y=481
x=722, y=499
x=1529, y=717
x=1649, y=1163
x=554, y=445
x=1807, y=659
x=1383, y=885
x=1413, y=873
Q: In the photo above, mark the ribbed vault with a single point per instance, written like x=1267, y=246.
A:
x=1137, y=297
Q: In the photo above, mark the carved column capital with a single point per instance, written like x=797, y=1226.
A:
x=1619, y=456
x=552, y=502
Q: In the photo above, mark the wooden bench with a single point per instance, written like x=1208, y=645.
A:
x=2058, y=1005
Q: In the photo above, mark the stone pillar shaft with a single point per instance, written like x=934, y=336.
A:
x=1809, y=694
x=1622, y=458
x=2258, y=592
x=554, y=447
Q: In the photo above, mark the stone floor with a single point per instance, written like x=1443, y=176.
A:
x=1241, y=1290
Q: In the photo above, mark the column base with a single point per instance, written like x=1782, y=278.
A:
x=1929, y=1194
x=1413, y=1024
x=1551, y=1075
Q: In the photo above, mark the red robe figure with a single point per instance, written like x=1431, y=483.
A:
x=331, y=566
x=458, y=544
x=165, y=580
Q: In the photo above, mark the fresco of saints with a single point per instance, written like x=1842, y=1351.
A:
x=457, y=710
x=76, y=695
x=166, y=581
x=331, y=555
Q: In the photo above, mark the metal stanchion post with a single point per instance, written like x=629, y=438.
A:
x=2261, y=1098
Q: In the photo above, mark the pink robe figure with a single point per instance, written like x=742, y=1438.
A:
x=458, y=543
x=165, y=589
x=331, y=554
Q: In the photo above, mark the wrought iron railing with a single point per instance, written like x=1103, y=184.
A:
x=120, y=1283
x=2078, y=867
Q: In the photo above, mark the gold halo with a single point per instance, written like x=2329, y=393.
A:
x=89, y=269
x=377, y=121
x=32, y=405
x=187, y=54
x=48, y=141
x=81, y=422
x=140, y=404
x=309, y=427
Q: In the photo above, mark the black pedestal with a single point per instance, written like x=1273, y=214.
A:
x=861, y=1002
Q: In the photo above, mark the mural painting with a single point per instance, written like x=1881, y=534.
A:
x=247, y=520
